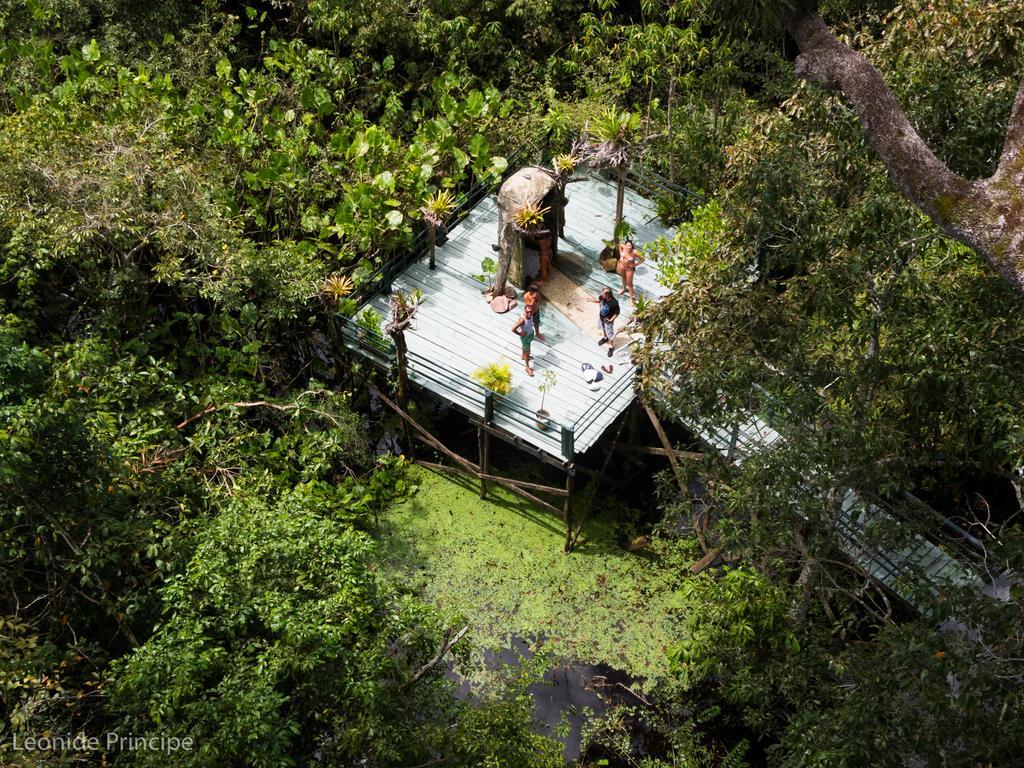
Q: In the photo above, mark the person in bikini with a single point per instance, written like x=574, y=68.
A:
x=629, y=259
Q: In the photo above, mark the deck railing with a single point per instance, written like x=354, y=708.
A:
x=495, y=409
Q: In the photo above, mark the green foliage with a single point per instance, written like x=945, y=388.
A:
x=280, y=640
x=370, y=320
x=496, y=377
x=185, y=183
x=735, y=621
x=489, y=267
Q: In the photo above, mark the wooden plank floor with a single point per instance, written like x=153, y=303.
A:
x=457, y=330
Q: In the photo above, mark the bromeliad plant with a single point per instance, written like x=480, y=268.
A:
x=437, y=209
x=563, y=165
x=529, y=218
x=337, y=287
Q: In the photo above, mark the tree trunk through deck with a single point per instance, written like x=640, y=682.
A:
x=433, y=243
x=987, y=215
x=620, y=198
x=402, y=364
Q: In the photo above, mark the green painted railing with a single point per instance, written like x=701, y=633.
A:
x=495, y=409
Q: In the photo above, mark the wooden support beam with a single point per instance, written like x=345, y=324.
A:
x=502, y=481
x=597, y=481
x=518, y=442
x=704, y=562
x=653, y=451
x=524, y=484
x=666, y=444
x=426, y=437
x=570, y=481
x=671, y=455
x=483, y=449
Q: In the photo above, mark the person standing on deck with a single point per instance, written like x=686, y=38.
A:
x=629, y=259
x=607, y=313
x=524, y=329
x=532, y=299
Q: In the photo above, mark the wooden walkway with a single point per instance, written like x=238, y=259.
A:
x=456, y=331
x=916, y=569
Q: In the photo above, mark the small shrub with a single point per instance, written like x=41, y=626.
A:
x=496, y=377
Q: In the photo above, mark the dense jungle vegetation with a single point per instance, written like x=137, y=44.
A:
x=190, y=505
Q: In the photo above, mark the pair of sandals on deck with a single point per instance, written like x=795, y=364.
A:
x=592, y=376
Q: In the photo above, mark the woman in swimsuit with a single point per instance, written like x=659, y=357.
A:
x=629, y=258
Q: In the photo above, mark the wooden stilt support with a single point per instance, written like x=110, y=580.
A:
x=503, y=482
x=651, y=451
x=597, y=481
x=670, y=452
x=483, y=440
x=634, y=424
x=570, y=481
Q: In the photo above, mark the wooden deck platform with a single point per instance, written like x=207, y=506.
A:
x=456, y=332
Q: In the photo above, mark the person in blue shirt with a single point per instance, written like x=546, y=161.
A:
x=608, y=311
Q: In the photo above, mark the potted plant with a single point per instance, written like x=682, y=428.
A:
x=610, y=255
x=547, y=383
x=496, y=377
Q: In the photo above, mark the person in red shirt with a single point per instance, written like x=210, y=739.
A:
x=532, y=299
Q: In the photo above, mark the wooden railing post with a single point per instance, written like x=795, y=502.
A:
x=488, y=407
x=568, y=438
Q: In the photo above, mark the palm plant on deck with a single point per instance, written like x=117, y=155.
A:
x=563, y=167
x=436, y=210
x=610, y=142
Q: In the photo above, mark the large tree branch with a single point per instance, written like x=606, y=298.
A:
x=1010, y=166
x=987, y=215
x=824, y=59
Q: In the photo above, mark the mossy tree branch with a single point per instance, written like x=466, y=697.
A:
x=985, y=214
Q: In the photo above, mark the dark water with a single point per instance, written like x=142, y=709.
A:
x=568, y=695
